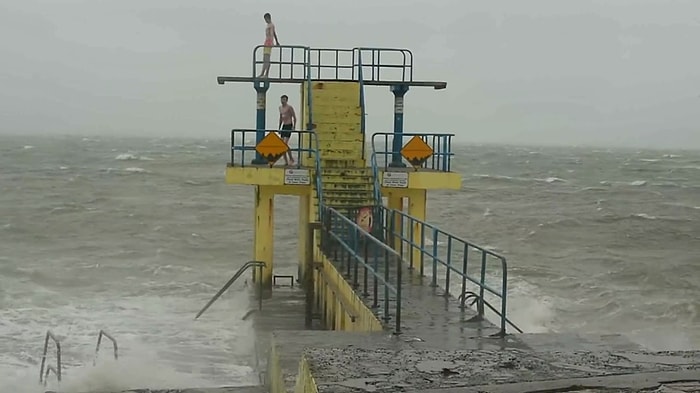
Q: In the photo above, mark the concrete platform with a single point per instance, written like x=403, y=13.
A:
x=232, y=389
x=511, y=370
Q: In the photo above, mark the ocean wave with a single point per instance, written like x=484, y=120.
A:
x=550, y=179
x=611, y=218
x=131, y=157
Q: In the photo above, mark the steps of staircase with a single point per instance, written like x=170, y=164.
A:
x=331, y=126
x=340, y=136
x=347, y=172
x=331, y=163
x=339, y=144
x=348, y=186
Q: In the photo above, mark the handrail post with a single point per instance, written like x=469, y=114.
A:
x=435, y=252
x=504, y=289
x=399, y=270
x=448, y=270
x=57, y=371
x=465, y=259
x=99, y=341
x=482, y=283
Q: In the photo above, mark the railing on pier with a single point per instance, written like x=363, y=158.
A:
x=441, y=144
x=243, y=144
x=57, y=370
x=419, y=243
x=294, y=62
x=115, y=347
x=250, y=264
x=367, y=262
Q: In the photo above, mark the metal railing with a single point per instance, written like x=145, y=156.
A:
x=364, y=258
x=311, y=128
x=57, y=370
x=398, y=59
x=441, y=144
x=243, y=146
x=454, y=255
x=363, y=117
x=378, y=200
x=260, y=265
x=115, y=347
x=294, y=62
x=291, y=61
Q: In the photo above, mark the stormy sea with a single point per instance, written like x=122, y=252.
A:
x=134, y=235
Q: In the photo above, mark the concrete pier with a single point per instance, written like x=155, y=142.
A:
x=441, y=350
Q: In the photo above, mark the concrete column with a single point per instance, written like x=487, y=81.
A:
x=264, y=233
x=417, y=206
x=399, y=93
x=303, y=244
x=261, y=90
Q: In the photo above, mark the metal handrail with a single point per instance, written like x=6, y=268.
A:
x=244, y=146
x=448, y=263
x=99, y=341
x=281, y=49
x=50, y=369
x=363, y=121
x=354, y=67
x=441, y=143
x=311, y=127
x=259, y=264
x=349, y=235
x=377, y=65
x=57, y=370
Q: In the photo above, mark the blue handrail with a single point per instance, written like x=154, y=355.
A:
x=363, y=121
x=441, y=144
x=455, y=261
x=311, y=128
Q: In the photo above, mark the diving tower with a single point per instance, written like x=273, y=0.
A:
x=334, y=167
x=384, y=300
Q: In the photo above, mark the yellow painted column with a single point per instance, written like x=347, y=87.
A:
x=396, y=202
x=304, y=201
x=417, y=206
x=264, y=232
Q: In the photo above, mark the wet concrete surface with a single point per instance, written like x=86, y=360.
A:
x=390, y=370
x=233, y=389
x=284, y=310
x=442, y=348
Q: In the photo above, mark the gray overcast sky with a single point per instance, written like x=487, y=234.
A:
x=595, y=72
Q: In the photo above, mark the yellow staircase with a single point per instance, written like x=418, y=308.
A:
x=347, y=182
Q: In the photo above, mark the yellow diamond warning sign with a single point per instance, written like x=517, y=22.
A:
x=416, y=151
x=271, y=147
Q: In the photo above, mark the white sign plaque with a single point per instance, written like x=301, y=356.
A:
x=297, y=177
x=395, y=180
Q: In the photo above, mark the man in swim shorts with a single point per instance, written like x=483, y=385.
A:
x=270, y=39
x=287, y=123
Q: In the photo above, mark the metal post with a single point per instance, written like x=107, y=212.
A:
x=309, y=272
x=261, y=88
x=399, y=91
x=480, y=305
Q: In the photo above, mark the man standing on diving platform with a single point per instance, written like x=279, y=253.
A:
x=270, y=35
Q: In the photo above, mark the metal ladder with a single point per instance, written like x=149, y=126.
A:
x=45, y=369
